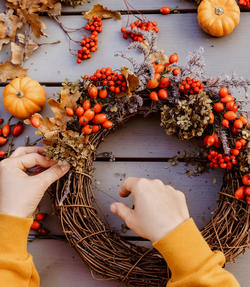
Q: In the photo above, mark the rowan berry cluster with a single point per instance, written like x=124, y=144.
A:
x=243, y=192
x=37, y=225
x=90, y=117
x=244, y=3
x=228, y=108
x=140, y=25
x=109, y=79
x=221, y=160
x=191, y=86
x=89, y=45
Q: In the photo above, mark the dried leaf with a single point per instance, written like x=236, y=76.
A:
x=10, y=72
x=47, y=126
x=17, y=51
x=132, y=83
x=31, y=5
x=36, y=25
x=160, y=56
x=67, y=100
x=9, y=23
x=5, y=40
x=56, y=10
x=102, y=12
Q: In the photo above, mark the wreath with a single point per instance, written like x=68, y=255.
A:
x=191, y=106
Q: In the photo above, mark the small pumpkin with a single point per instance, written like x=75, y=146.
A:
x=23, y=97
x=218, y=17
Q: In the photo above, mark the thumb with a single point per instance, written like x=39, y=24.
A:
x=52, y=174
x=123, y=211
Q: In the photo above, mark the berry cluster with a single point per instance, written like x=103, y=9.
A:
x=36, y=225
x=221, y=160
x=90, y=117
x=227, y=106
x=191, y=86
x=244, y=3
x=107, y=78
x=140, y=25
x=212, y=140
x=89, y=45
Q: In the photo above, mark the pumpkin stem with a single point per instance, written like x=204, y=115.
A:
x=219, y=11
x=19, y=94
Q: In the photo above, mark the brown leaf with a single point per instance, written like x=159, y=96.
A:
x=132, y=83
x=10, y=72
x=5, y=41
x=67, y=100
x=36, y=25
x=17, y=51
x=31, y=5
x=53, y=6
x=9, y=23
x=102, y=12
x=159, y=55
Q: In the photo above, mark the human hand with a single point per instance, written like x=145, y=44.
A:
x=19, y=192
x=159, y=208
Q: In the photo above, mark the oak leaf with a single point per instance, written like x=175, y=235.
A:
x=132, y=83
x=9, y=23
x=10, y=72
x=48, y=128
x=53, y=6
x=17, y=51
x=5, y=41
x=67, y=100
x=31, y=5
x=102, y=12
x=32, y=19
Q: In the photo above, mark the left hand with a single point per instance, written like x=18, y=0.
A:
x=19, y=192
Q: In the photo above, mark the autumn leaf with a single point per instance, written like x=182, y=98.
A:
x=53, y=6
x=17, y=51
x=102, y=12
x=9, y=23
x=67, y=100
x=32, y=19
x=132, y=83
x=5, y=41
x=10, y=72
x=160, y=56
x=31, y=5
x=48, y=128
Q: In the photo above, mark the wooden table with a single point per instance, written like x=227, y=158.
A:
x=141, y=148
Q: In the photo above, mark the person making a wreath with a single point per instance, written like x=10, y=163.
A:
x=157, y=205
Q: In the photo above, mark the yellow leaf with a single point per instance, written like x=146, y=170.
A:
x=102, y=12
x=132, y=83
x=10, y=72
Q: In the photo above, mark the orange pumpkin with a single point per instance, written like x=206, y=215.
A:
x=23, y=97
x=218, y=17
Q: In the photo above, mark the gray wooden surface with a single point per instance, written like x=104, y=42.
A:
x=142, y=144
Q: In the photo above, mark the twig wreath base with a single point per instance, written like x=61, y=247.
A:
x=104, y=251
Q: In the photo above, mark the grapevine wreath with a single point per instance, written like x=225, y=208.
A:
x=191, y=105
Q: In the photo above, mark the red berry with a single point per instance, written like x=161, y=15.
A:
x=40, y=216
x=35, y=225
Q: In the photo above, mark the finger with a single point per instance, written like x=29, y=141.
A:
x=52, y=174
x=30, y=160
x=122, y=210
x=127, y=185
x=26, y=150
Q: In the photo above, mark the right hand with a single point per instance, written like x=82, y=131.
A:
x=159, y=208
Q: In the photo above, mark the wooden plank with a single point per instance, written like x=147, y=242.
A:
x=56, y=262
x=200, y=192
x=120, y=5
x=178, y=33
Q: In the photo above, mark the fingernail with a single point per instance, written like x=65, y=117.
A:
x=113, y=208
x=65, y=167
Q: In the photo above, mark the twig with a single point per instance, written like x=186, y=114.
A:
x=26, y=43
x=42, y=44
x=67, y=189
x=10, y=146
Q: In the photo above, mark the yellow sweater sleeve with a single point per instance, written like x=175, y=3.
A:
x=16, y=264
x=191, y=261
